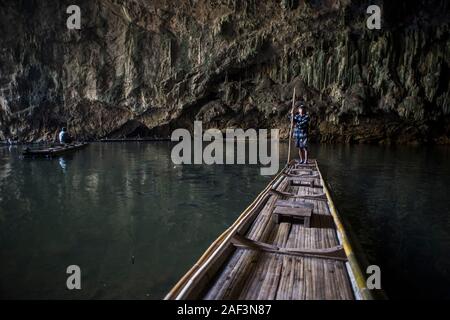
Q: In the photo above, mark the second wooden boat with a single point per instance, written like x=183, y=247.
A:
x=54, y=151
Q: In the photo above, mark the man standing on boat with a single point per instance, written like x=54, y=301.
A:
x=301, y=128
x=64, y=136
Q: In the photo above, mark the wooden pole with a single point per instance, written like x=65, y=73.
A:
x=291, y=128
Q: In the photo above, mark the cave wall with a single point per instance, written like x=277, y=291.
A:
x=229, y=63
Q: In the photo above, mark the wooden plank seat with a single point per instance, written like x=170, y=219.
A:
x=302, y=171
x=292, y=211
x=301, y=176
x=294, y=204
x=304, y=166
x=292, y=215
x=334, y=253
x=317, y=197
x=304, y=182
x=305, y=169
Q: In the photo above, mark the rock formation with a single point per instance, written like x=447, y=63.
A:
x=153, y=66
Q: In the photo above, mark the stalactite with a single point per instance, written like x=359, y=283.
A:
x=240, y=84
x=199, y=58
x=169, y=57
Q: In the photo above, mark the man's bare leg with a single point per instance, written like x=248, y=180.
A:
x=306, y=155
x=300, y=155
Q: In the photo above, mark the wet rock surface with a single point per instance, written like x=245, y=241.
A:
x=147, y=67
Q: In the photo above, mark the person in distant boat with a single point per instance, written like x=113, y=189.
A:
x=64, y=136
x=301, y=128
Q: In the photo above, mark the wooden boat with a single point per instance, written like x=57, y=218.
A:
x=289, y=244
x=9, y=143
x=54, y=151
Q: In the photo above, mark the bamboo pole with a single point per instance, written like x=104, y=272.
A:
x=291, y=128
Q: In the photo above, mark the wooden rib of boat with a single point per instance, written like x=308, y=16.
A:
x=54, y=151
x=306, y=255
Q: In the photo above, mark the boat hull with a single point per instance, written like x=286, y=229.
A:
x=53, y=151
x=263, y=257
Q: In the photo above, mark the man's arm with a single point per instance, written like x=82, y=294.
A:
x=303, y=122
x=296, y=118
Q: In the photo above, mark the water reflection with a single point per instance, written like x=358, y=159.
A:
x=111, y=203
x=395, y=200
x=63, y=164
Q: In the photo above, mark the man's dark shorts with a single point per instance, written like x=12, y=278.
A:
x=301, y=143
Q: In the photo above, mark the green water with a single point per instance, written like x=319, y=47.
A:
x=135, y=223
